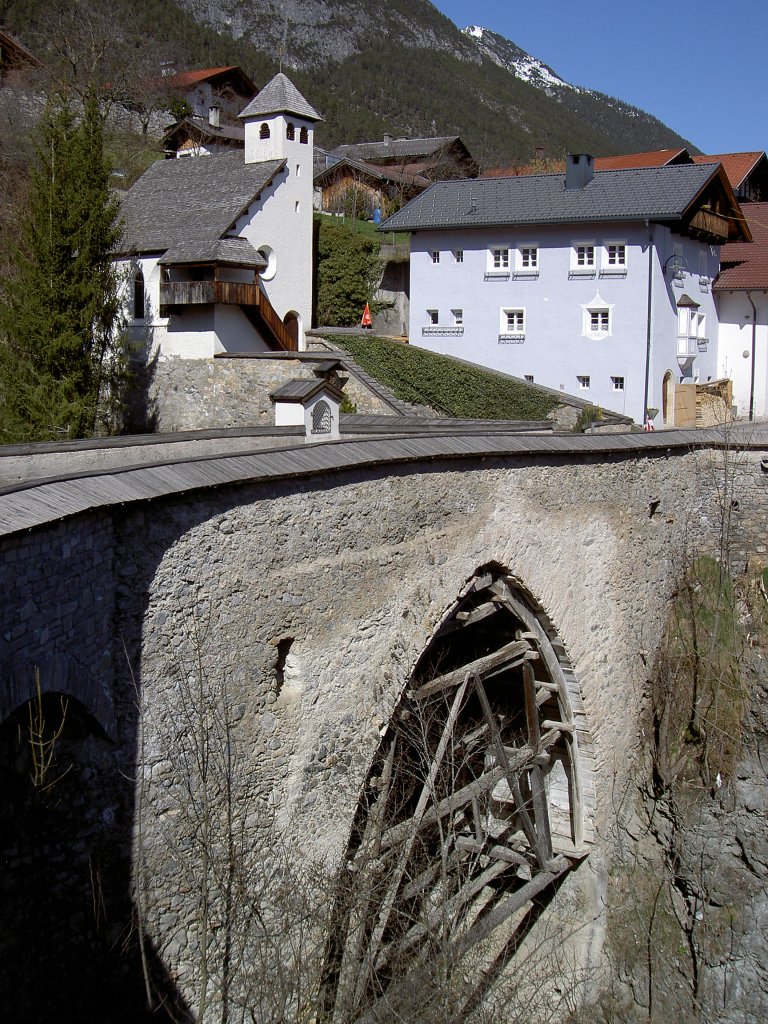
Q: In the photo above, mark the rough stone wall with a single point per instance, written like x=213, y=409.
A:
x=353, y=578
x=57, y=615
x=301, y=607
x=196, y=394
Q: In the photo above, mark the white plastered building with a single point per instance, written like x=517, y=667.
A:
x=216, y=253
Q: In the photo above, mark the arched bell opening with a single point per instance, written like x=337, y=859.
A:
x=476, y=807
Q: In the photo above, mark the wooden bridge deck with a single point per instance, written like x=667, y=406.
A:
x=35, y=502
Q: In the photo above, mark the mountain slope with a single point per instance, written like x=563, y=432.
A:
x=371, y=66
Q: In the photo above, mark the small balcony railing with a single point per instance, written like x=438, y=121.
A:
x=449, y=331
x=206, y=293
x=691, y=346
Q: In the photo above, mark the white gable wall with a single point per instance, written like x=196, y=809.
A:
x=735, y=345
x=282, y=219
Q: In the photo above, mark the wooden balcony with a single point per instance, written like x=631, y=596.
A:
x=709, y=226
x=174, y=294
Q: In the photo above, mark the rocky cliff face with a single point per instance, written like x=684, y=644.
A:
x=310, y=33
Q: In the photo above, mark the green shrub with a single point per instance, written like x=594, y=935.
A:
x=348, y=270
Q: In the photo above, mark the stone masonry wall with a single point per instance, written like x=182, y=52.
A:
x=279, y=623
x=197, y=394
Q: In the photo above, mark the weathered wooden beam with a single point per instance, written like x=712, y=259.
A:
x=511, y=904
x=549, y=723
x=520, y=811
x=470, y=618
x=511, y=652
x=447, y=910
x=395, y=876
x=467, y=845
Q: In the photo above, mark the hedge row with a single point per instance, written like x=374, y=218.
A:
x=449, y=386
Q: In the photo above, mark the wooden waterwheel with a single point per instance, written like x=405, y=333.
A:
x=471, y=814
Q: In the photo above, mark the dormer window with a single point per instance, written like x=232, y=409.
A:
x=304, y=136
x=264, y=132
x=290, y=131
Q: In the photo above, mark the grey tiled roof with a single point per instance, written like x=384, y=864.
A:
x=280, y=96
x=653, y=193
x=297, y=390
x=237, y=251
x=394, y=149
x=195, y=198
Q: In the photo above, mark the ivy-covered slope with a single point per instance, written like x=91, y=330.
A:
x=448, y=385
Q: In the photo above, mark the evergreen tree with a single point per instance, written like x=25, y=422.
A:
x=60, y=323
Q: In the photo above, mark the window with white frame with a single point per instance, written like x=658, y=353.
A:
x=435, y=255
x=498, y=260
x=614, y=261
x=617, y=383
x=527, y=260
x=512, y=325
x=599, y=321
x=458, y=317
x=433, y=316
x=584, y=381
x=458, y=255
x=583, y=258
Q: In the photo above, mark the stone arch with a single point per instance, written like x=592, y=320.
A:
x=479, y=802
x=56, y=674
x=293, y=325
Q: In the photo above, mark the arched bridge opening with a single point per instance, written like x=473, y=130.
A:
x=477, y=805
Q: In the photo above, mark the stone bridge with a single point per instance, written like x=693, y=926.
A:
x=389, y=647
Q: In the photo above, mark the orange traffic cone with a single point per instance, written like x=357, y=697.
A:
x=367, y=321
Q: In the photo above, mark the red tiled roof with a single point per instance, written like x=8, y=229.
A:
x=744, y=265
x=628, y=161
x=655, y=158
x=736, y=165
x=187, y=78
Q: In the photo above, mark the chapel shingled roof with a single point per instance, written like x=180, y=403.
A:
x=653, y=193
x=236, y=252
x=744, y=265
x=280, y=96
x=197, y=198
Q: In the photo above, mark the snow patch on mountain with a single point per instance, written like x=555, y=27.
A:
x=507, y=55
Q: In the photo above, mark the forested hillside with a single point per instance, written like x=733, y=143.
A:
x=397, y=66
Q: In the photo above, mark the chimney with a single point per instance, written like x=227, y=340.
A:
x=214, y=115
x=387, y=139
x=579, y=170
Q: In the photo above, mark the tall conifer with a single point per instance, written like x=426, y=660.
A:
x=60, y=337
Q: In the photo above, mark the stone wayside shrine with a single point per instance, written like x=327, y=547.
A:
x=313, y=404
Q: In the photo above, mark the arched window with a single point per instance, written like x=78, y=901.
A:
x=321, y=418
x=304, y=136
x=264, y=131
x=138, y=296
x=290, y=131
